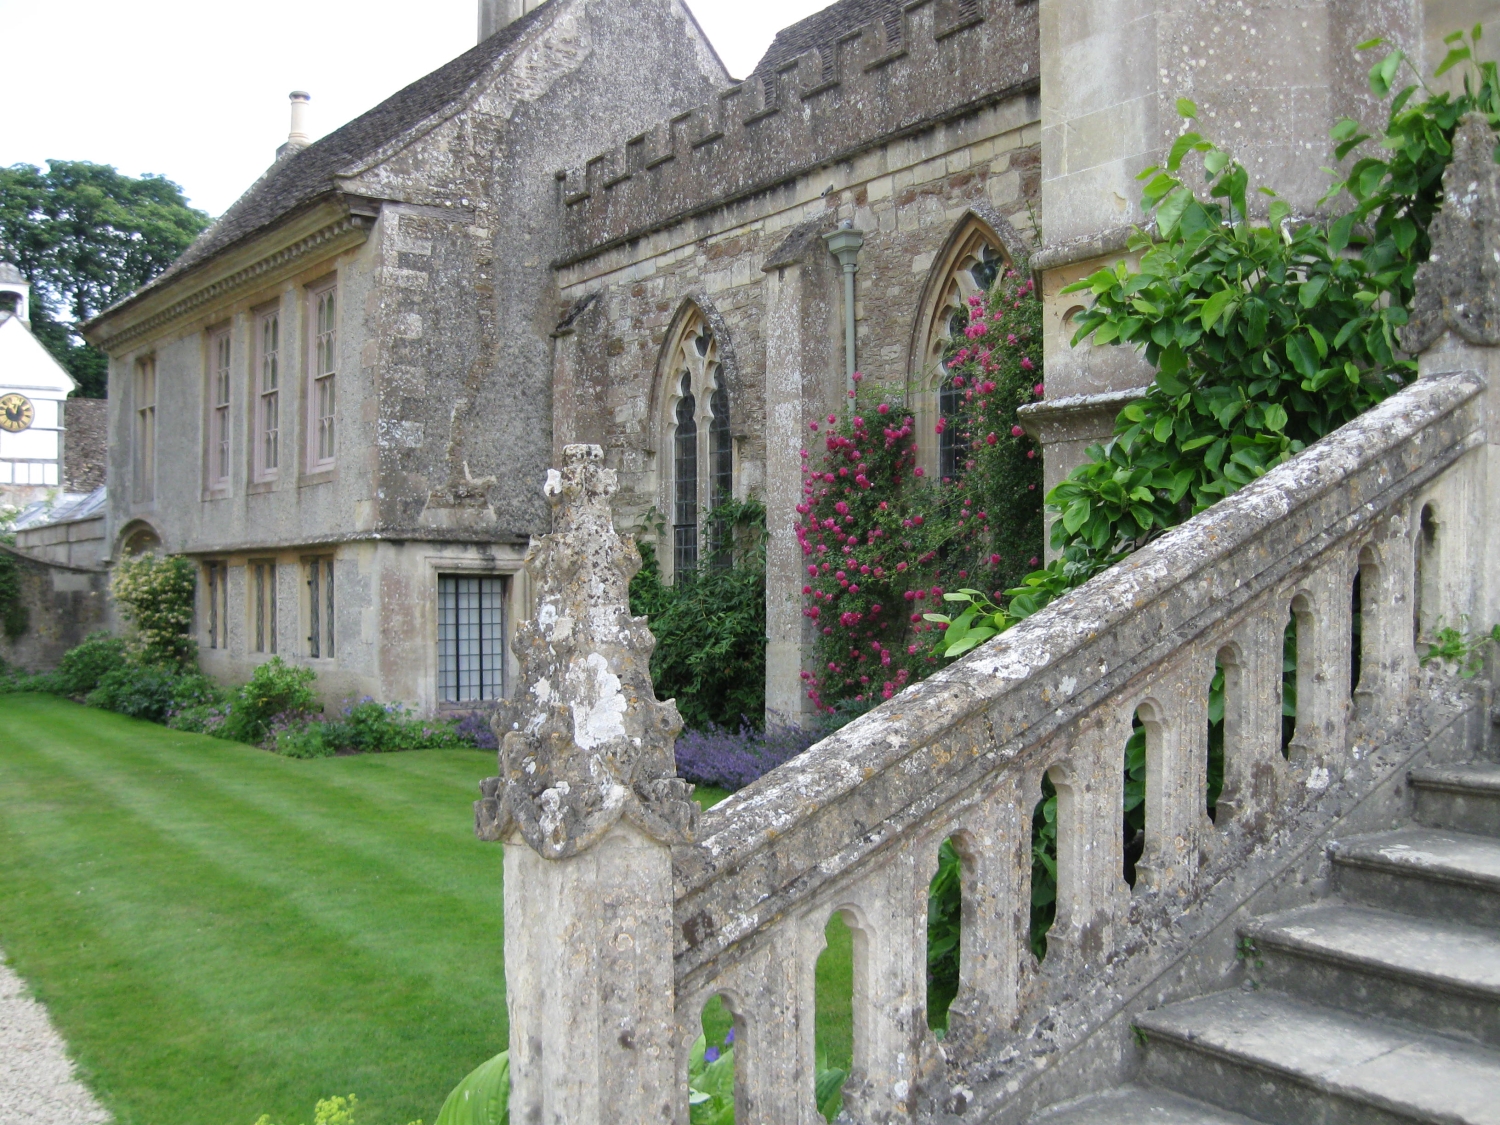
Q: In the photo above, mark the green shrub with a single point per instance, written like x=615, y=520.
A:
x=276, y=689
x=156, y=597
x=710, y=628
x=17, y=680
x=364, y=726
x=304, y=740
x=83, y=667
x=152, y=691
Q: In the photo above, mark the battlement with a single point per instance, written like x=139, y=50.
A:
x=913, y=66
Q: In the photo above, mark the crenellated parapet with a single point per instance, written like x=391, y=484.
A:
x=915, y=66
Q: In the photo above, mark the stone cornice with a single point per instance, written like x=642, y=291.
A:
x=346, y=229
x=395, y=535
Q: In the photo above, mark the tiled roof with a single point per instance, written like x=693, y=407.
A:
x=303, y=176
x=823, y=29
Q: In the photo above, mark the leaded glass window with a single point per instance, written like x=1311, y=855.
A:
x=264, y=608
x=218, y=448
x=322, y=445
x=721, y=473
x=217, y=581
x=685, y=481
x=950, y=441
x=471, y=638
x=320, y=609
x=974, y=261
x=696, y=432
x=268, y=396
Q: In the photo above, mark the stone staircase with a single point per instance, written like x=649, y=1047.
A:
x=1377, y=1005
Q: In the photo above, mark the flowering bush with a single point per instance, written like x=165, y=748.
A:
x=156, y=597
x=474, y=730
x=882, y=542
x=732, y=759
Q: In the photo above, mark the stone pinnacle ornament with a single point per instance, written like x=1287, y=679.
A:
x=585, y=742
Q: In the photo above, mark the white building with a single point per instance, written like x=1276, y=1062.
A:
x=33, y=387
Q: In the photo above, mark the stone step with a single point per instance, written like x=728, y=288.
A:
x=1137, y=1105
x=1440, y=975
x=1461, y=798
x=1431, y=872
x=1284, y=1060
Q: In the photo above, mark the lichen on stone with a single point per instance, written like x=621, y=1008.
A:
x=586, y=741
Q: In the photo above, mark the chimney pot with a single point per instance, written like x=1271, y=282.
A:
x=495, y=14
x=297, y=138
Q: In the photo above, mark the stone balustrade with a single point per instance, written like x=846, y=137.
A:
x=854, y=825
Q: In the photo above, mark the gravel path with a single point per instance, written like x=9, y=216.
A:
x=37, y=1086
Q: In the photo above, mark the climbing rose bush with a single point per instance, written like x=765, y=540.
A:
x=882, y=541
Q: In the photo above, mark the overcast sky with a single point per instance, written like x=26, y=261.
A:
x=196, y=89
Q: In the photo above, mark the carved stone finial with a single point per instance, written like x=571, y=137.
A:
x=1458, y=287
x=585, y=742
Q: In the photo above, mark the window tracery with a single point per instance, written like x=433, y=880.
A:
x=699, y=445
x=975, y=258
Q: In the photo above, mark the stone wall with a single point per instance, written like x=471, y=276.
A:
x=908, y=197
x=64, y=604
x=85, y=435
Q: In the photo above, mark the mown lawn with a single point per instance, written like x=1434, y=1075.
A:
x=220, y=932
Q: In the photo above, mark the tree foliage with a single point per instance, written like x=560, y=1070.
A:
x=85, y=236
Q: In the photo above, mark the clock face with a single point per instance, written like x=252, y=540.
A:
x=16, y=413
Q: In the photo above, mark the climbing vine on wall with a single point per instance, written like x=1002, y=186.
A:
x=14, y=618
x=156, y=597
x=881, y=541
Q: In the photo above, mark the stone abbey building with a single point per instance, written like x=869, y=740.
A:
x=344, y=396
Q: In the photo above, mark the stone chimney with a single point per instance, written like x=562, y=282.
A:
x=495, y=14
x=296, y=138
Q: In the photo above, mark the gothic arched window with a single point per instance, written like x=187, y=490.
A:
x=950, y=441
x=974, y=259
x=721, y=472
x=685, y=481
x=702, y=472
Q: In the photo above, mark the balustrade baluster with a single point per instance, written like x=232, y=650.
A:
x=996, y=919
x=1090, y=851
x=888, y=909
x=1321, y=603
x=1175, y=715
x=1253, y=765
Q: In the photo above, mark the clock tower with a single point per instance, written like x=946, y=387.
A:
x=33, y=393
